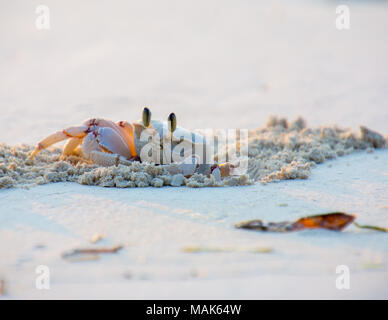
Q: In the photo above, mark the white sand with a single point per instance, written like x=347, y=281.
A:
x=215, y=65
x=155, y=226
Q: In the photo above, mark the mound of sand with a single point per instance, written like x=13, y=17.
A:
x=285, y=150
x=279, y=151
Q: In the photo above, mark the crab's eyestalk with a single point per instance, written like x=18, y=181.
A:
x=171, y=122
x=171, y=128
x=146, y=117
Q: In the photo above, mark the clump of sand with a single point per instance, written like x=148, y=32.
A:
x=17, y=170
x=284, y=150
x=279, y=151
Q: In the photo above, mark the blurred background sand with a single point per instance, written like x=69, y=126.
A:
x=216, y=64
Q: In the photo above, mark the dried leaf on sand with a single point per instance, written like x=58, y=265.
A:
x=331, y=221
x=88, y=254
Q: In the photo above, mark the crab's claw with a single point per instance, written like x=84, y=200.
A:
x=171, y=122
x=146, y=117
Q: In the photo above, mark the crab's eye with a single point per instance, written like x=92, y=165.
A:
x=171, y=122
x=146, y=117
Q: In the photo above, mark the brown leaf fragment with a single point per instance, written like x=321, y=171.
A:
x=260, y=226
x=332, y=221
x=90, y=253
x=371, y=227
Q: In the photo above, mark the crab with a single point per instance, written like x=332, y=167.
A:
x=109, y=143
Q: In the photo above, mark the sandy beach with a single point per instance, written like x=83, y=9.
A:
x=40, y=224
x=216, y=65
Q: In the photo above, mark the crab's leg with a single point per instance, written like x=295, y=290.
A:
x=71, y=132
x=107, y=159
x=70, y=146
x=188, y=169
x=182, y=168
